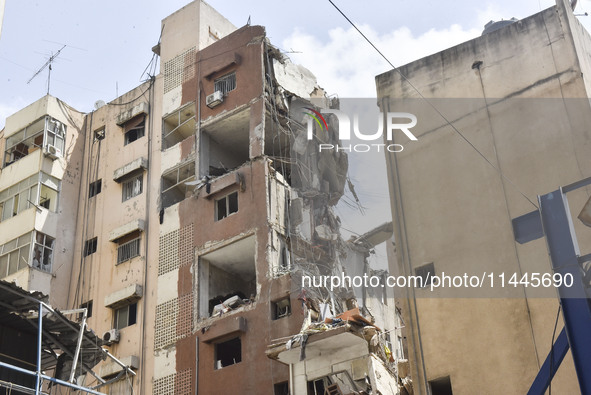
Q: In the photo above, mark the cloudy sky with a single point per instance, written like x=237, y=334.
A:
x=109, y=46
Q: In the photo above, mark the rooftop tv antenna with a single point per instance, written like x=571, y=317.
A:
x=48, y=63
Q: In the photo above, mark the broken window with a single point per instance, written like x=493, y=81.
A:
x=95, y=188
x=178, y=125
x=135, y=129
x=14, y=255
x=280, y=308
x=129, y=247
x=441, y=386
x=99, y=134
x=90, y=246
x=227, y=277
x=125, y=316
x=40, y=188
x=88, y=307
x=226, y=206
x=228, y=353
x=426, y=273
x=47, y=133
x=132, y=186
x=224, y=144
x=43, y=252
x=173, y=183
x=225, y=84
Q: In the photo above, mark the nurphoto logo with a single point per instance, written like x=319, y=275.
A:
x=395, y=121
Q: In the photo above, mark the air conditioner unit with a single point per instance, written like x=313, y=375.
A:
x=111, y=336
x=52, y=151
x=214, y=99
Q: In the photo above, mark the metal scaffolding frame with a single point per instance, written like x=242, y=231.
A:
x=43, y=310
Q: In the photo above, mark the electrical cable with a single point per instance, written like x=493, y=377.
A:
x=552, y=349
x=432, y=105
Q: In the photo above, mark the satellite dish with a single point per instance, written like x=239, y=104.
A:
x=98, y=104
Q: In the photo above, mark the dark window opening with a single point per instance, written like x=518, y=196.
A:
x=441, y=386
x=125, y=316
x=99, y=134
x=426, y=273
x=88, y=306
x=95, y=188
x=281, y=388
x=226, y=206
x=280, y=308
x=228, y=353
x=135, y=129
x=90, y=246
x=316, y=387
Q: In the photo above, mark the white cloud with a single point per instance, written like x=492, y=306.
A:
x=346, y=64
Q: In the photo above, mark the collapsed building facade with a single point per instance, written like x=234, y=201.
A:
x=184, y=214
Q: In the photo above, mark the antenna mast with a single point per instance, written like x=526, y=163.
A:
x=48, y=63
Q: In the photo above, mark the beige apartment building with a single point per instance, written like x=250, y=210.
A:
x=183, y=215
x=518, y=94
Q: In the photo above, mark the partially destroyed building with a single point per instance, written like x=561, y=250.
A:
x=197, y=204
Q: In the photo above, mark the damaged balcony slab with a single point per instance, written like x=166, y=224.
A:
x=137, y=225
x=110, y=369
x=124, y=296
x=125, y=116
x=139, y=164
x=224, y=328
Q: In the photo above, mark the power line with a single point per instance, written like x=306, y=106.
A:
x=432, y=105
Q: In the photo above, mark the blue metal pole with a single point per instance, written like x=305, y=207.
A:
x=564, y=251
x=550, y=366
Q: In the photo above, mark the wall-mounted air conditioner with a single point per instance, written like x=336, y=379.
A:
x=111, y=336
x=52, y=151
x=214, y=99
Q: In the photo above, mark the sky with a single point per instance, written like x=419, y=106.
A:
x=108, y=47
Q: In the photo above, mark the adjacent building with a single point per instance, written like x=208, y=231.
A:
x=518, y=95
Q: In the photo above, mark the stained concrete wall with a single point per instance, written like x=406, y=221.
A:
x=61, y=224
x=453, y=209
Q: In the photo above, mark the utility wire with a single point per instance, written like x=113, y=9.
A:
x=432, y=105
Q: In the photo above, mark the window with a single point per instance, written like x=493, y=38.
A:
x=95, y=188
x=426, y=272
x=225, y=84
x=135, y=129
x=43, y=252
x=228, y=353
x=281, y=388
x=14, y=255
x=173, y=183
x=40, y=189
x=99, y=134
x=441, y=386
x=90, y=246
x=132, y=186
x=55, y=135
x=280, y=308
x=125, y=316
x=226, y=206
x=128, y=250
x=88, y=306
x=178, y=125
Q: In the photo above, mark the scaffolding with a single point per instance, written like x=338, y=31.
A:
x=59, y=345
